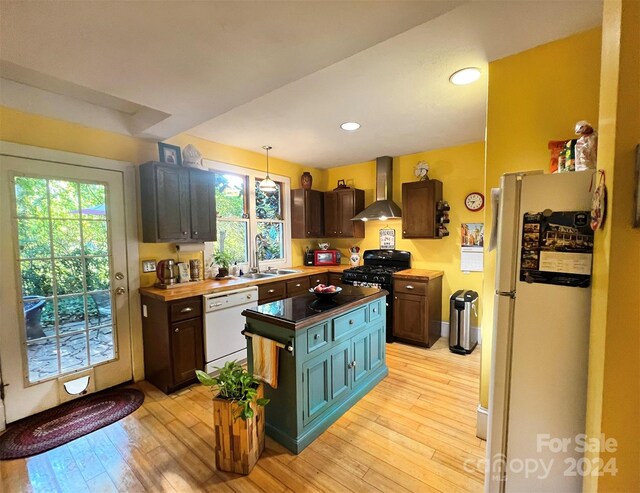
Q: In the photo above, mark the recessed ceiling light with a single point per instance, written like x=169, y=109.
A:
x=465, y=76
x=350, y=126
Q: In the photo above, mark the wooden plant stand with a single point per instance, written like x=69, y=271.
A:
x=239, y=443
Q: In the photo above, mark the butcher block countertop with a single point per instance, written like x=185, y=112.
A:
x=418, y=274
x=209, y=286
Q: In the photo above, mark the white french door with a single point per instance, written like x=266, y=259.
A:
x=63, y=288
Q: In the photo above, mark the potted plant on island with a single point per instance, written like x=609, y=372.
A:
x=223, y=260
x=238, y=417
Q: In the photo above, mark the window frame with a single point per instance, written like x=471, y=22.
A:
x=246, y=210
x=253, y=175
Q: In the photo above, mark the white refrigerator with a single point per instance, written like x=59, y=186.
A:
x=540, y=334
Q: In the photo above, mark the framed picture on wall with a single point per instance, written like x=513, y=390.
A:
x=387, y=238
x=169, y=154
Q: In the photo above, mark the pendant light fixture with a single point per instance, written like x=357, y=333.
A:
x=268, y=185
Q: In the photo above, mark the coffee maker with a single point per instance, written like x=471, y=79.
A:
x=167, y=272
x=309, y=257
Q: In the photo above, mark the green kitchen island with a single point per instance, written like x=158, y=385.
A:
x=332, y=353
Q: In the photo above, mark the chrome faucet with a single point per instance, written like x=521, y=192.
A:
x=259, y=240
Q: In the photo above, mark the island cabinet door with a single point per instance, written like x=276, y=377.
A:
x=377, y=339
x=325, y=378
x=361, y=351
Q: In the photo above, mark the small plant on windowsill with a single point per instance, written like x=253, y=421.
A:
x=238, y=417
x=223, y=260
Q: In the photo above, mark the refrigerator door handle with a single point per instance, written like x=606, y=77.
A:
x=510, y=294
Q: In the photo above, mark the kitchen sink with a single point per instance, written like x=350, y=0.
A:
x=280, y=272
x=257, y=275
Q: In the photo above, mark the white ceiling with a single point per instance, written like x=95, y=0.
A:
x=283, y=73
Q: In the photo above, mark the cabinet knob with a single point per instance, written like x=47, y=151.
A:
x=375, y=310
x=351, y=365
x=298, y=285
x=395, y=297
x=351, y=322
x=186, y=310
x=308, y=232
x=316, y=336
x=195, y=233
x=177, y=330
x=271, y=291
x=409, y=286
x=184, y=233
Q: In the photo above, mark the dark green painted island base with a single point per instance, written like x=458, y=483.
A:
x=316, y=429
x=337, y=355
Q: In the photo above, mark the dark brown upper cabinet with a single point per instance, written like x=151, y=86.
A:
x=339, y=207
x=307, y=207
x=420, y=214
x=178, y=204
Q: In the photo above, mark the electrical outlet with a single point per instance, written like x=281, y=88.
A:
x=148, y=266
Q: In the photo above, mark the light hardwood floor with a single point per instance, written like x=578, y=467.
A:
x=414, y=432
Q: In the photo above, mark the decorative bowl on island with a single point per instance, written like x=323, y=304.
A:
x=325, y=293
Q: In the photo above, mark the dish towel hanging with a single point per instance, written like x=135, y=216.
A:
x=265, y=360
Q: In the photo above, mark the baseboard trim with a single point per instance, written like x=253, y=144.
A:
x=444, y=331
x=482, y=418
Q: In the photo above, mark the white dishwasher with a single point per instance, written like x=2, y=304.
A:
x=223, y=326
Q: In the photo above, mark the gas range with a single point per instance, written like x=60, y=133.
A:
x=377, y=272
x=378, y=269
x=365, y=275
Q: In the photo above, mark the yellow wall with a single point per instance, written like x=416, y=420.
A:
x=534, y=96
x=34, y=130
x=613, y=405
x=461, y=171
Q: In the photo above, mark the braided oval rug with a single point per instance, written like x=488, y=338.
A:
x=54, y=427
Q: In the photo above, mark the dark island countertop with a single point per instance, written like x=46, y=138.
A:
x=306, y=310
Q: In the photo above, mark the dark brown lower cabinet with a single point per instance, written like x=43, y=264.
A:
x=335, y=278
x=186, y=349
x=297, y=286
x=318, y=279
x=417, y=311
x=272, y=291
x=173, y=341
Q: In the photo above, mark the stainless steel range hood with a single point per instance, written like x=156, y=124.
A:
x=384, y=207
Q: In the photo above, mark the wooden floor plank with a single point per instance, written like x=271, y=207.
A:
x=41, y=474
x=101, y=483
x=335, y=471
x=117, y=468
x=413, y=432
x=67, y=473
x=86, y=459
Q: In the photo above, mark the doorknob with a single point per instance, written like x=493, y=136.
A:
x=120, y=290
x=119, y=276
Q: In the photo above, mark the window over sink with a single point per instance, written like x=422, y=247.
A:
x=244, y=211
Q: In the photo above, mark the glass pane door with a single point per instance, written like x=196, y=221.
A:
x=64, y=265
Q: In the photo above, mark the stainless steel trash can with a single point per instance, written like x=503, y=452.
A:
x=463, y=321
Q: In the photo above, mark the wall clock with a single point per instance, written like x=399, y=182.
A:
x=474, y=201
